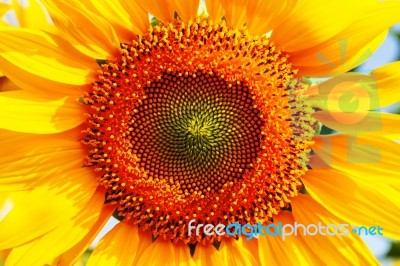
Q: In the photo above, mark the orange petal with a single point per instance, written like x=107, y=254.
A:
x=165, y=10
x=208, y=255
x=235, y=12
x=234, y=253
x=3, y=255
x=214, y=10
x=7, y=85
x=161, y=252
x=260, y=23
x=186, y=9
x=145, y=241
x=182, y=255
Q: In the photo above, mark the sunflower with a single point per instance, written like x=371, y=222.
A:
x=105, y=112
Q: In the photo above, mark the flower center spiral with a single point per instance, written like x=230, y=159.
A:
x=196, y=132
x=197, y=121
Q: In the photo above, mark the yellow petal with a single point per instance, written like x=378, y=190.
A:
x=354, y=123
x=367, y=157
x=335, y=58
x=127, y=25
x=117, y=247
x=42, y=87
x=51, y=165
x=45, y=55
x=28, y=161
x=7, y=201
x=300, y=31
x=162, y=10
x=207, y=255
x=387, y=79
x=145, y=241
x=71, y=256
x=258, y=22
x=4, y=8
x=333, y=54
x=45, y=249
x=358, y=202
x=32, y=14
x=290, y=251
x=24, y=112
x=46, y=207
x=251, y=246
x=165, y=10
x=96, y=38
x=182, y=255
x=343, y=250
x=139, y=17
x=214, y=10
x=116, y=16
x=161, y=252
x=260, y=17
x=234, y=253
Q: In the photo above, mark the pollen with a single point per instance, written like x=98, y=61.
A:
x=197, y=120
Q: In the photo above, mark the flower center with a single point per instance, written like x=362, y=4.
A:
x=196, y=132
x=197, y=121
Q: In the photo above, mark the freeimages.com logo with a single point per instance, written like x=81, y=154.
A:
x=281, y=230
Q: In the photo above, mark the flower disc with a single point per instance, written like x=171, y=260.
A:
x=197, y=121
x=195, y=132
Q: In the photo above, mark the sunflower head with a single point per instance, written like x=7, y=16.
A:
x=188, y=117
x=197, y=115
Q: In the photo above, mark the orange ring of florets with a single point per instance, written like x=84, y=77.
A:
x=199, y=48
